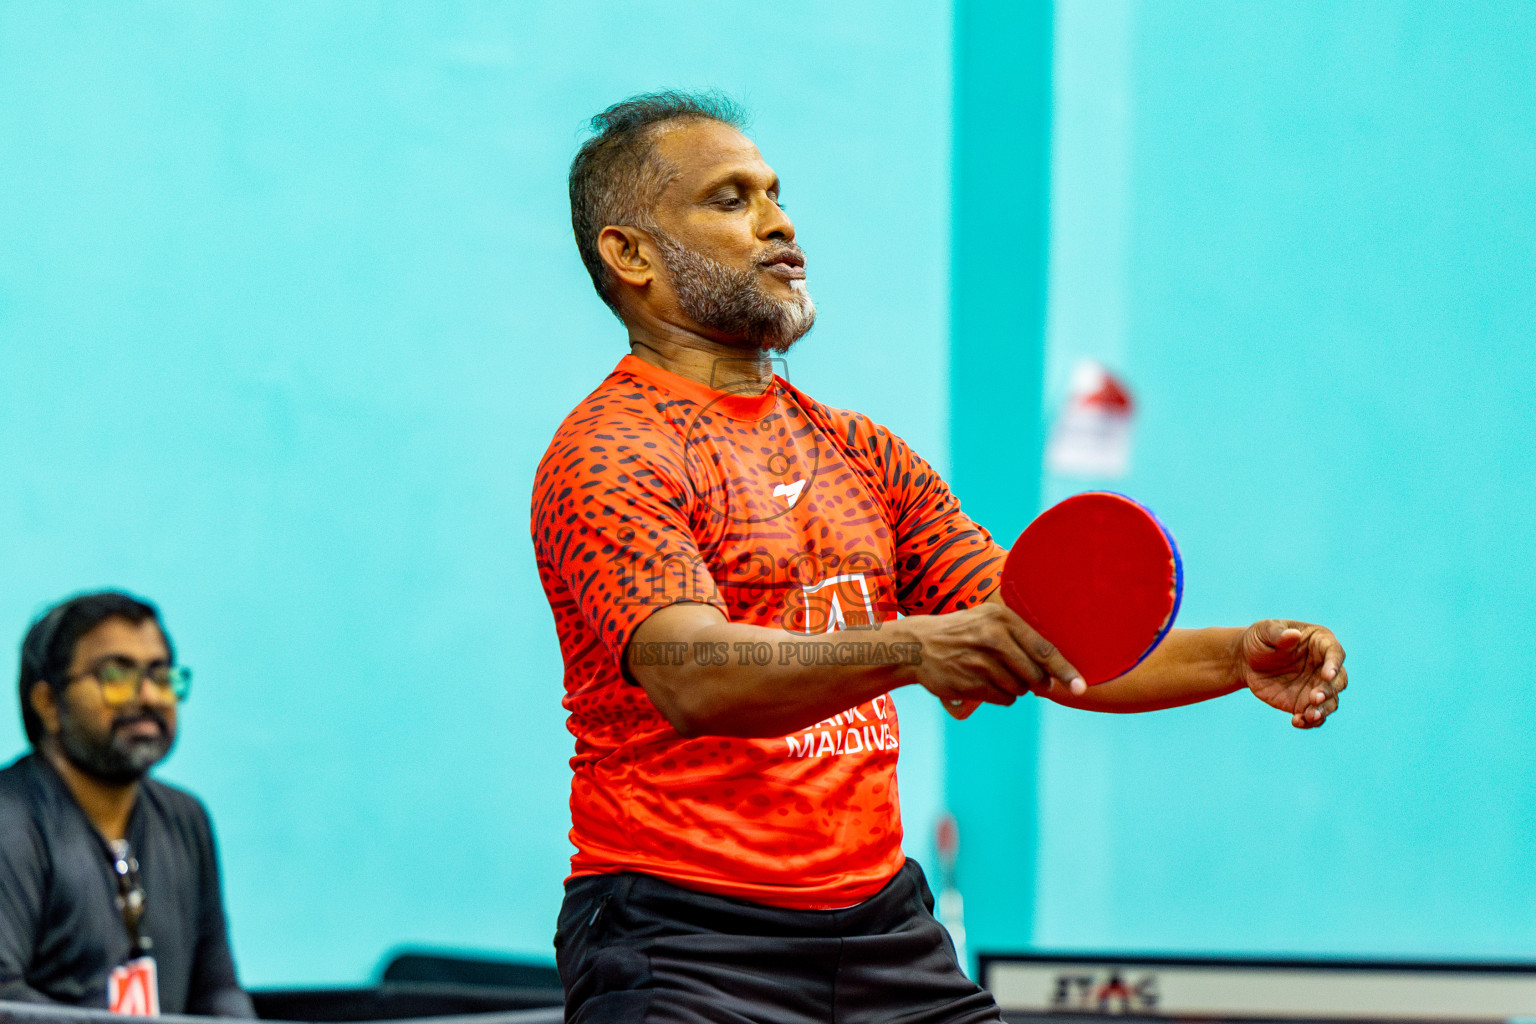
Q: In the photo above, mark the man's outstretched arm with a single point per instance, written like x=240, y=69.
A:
x=1297, y=667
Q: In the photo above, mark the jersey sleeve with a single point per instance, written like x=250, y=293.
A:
x=610, y=522
x=943, y=561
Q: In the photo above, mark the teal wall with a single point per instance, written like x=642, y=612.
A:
x=1304, y=232
x=1002, y=133
x=288, y=311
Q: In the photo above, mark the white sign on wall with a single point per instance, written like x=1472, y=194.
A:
x=1092, y=433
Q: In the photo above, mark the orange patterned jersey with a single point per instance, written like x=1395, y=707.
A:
x=780, y=512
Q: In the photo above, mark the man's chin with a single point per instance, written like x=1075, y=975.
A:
x=141, y=755
x=793, y=326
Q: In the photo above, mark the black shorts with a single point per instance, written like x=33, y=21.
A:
x=634, y=949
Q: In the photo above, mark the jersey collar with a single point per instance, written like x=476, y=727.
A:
x=733, y=404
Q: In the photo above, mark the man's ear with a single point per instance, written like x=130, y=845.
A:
x=46, y=703
x=628, y=253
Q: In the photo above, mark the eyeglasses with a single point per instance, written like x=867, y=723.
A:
x=120, y=679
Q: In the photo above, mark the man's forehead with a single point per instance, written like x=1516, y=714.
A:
x=117, y=635
x=703, y=150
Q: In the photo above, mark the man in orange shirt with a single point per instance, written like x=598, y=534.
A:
x=726, y=558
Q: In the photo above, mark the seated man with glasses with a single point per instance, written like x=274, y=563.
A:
x=109, y=884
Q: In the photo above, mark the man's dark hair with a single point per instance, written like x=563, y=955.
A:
x=616, y=177
x=49, y=645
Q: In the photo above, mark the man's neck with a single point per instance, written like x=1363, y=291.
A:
x=106, y=804
x=712, y=363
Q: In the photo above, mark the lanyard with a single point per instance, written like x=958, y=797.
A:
x=130, y=896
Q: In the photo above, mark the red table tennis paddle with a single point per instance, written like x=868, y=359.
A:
x=1099, y=577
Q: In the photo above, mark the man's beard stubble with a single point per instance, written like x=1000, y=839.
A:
x=119, y=760
x=733, y=301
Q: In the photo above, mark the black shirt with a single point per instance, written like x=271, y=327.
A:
x=61, y=932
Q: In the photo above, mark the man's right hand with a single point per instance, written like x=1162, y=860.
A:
x=985, y=654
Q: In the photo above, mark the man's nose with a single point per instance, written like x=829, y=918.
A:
x=153, y=694
x=774, y=223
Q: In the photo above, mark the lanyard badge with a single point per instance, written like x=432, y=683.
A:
x=133, y=989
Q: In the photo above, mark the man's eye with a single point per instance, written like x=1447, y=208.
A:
x=113, y=672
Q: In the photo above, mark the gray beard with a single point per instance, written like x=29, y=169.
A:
x=732, y=302
x=118, y=762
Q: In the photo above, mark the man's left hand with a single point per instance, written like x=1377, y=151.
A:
x=1293, y=666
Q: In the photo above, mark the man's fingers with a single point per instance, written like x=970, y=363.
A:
x=1044, y=654
x=1053, y=687
x=1058, y=666
x=1318, y=715
x=999, y=673
x=1316, y=712
x=1326, y=696
x=1320, y=697
x=979, y=691
x=1327, y=649
x=1014, y=659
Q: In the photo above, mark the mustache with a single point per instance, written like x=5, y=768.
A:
x=142, y=715
x=778, y=249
